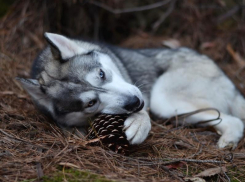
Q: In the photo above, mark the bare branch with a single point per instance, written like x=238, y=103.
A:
x=228, y=14
x=163, y=17
x=130, y=10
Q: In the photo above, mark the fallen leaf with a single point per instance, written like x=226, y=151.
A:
x=68, y=164
x=207, y=45
x=211, y=172
x=175, y=165
x=194, y=179
x=171, y=43
x=182, y=144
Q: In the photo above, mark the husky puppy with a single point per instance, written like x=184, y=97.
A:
x=73, y=80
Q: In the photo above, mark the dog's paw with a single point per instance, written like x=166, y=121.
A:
x=137, y=127
x=231, y=130
x=229, y=140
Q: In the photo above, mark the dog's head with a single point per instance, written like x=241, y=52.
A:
x=78, y=80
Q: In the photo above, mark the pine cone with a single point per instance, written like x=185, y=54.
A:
x=109, y=128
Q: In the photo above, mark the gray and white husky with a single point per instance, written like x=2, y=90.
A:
x=73, y=80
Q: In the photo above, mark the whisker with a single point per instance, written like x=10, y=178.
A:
x=145, y=92
x=143, y=84
x=136, y=82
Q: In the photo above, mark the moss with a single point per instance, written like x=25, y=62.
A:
x=29, y=180
x=73, y=175
x=236, y=174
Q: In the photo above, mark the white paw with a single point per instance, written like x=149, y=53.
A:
x=231, y=130
x=230, y=140
x=137, y=127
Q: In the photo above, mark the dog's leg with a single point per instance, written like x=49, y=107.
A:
x=137, y=127
x=229, y=127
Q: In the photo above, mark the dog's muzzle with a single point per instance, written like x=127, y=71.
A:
x=140, y=107
x=134, y=105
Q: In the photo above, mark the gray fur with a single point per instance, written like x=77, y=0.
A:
x=67, y=75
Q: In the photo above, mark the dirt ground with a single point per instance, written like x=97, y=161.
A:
x=31, y=146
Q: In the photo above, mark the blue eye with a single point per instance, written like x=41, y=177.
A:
x=102, y=74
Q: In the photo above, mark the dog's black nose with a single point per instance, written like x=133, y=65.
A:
x=132, y=104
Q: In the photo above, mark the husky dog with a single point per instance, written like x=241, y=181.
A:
x=73, y=80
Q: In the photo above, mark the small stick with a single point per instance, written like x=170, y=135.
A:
x=164, y=161
x=197, y=161
x=172, y=174
x=129, y=10
x=18, y=139
x=163, y=17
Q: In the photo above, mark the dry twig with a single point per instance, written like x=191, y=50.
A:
x=130, y=10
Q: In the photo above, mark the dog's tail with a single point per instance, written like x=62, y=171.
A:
x=238, y=106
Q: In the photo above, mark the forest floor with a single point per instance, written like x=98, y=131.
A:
x=35, y=149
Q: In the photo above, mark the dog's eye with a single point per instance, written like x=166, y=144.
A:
x=91, y=103
x=102, y=74
x=89, y=53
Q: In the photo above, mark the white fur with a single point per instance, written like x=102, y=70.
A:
x=118, y=84
x=66, y=47
x=190, y=82
x=173, y=95
x=137, y=127
x=107, y=63
x=117, y=89
x=87, y=96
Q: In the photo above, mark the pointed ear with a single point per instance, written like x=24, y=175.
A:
x=32, y=87
x=62, y=47
x=41, y=100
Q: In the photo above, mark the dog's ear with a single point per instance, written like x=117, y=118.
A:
x=32, y=86
x=62, y=47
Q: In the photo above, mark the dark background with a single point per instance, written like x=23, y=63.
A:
x=138, y=23
x=215, y=28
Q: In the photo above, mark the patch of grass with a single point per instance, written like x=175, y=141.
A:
x=29, y=180
x=73, y=175
x=236, y=174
